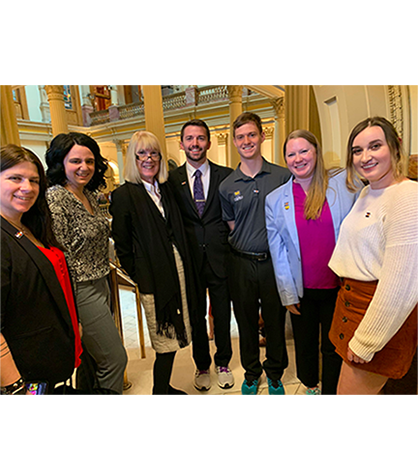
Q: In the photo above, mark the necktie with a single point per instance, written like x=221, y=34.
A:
x=199, y=196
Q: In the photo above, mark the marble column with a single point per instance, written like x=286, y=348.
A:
x=235, y=109
x=121, y=95
x=222, y=138
x=296, y=108
x=113, y=109
x=114, y=95
x=44, y=105
x=268, y=145
x=121, y=152
x=59, y=121
x=9, y=127
x=86, y=104
x=154, y=115
x=279, y=130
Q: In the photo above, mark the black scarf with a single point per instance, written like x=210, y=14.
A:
x=156, y=235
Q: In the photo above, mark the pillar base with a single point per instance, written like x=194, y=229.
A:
x=86, y=110
x=191, y=96
x=113, y=113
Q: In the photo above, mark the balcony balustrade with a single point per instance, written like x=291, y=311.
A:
x=204, y=95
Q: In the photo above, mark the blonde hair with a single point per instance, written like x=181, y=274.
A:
x=316, y=195
x=143, y=140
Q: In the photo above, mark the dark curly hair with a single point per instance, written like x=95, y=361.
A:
x=61, y=146
x=38, y=217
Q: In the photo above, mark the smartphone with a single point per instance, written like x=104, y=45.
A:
x=36, y=387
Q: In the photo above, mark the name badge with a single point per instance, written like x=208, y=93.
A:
x=237, y=196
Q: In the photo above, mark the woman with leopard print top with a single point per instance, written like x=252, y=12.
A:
x=75, y=172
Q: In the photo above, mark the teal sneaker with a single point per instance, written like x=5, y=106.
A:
x=249, y=387
x=314, y=391
x=275, y=386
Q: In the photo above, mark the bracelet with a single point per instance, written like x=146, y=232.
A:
x=17, y=387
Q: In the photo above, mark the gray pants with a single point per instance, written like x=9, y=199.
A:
x=100, y=335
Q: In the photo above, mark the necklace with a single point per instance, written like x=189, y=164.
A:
x=21, y=232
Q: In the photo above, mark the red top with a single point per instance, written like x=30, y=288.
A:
x=317, y=242
x=57, y=259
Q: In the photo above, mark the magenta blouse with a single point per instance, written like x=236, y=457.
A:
x=317, y=242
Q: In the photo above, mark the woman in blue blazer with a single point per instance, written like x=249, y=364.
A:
x=303, y=219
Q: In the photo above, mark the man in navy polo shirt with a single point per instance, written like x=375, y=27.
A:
x=252, y=281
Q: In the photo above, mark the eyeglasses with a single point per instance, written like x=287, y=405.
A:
x=143, y=155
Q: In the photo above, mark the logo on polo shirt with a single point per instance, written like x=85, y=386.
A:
x=237, y=196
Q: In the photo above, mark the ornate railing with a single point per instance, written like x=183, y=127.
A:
x=191, y=97
x=131, y=110
x=99, y=117
x=174, y=101
x=211, y=94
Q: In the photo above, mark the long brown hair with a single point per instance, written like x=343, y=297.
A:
x=38, y=217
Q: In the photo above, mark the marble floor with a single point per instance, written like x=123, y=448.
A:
x=139, y=371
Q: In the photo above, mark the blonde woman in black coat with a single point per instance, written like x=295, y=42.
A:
x=151, y=246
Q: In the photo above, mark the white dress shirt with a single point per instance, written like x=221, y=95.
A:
x=205, y=169
x=154, y=192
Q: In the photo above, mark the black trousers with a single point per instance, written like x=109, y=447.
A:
x=317, y=310
x=253, y=286
x=221, y=310
x=163, y=367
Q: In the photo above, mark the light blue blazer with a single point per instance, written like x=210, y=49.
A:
x=283, y=235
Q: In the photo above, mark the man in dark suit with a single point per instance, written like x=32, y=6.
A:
x=196, y=185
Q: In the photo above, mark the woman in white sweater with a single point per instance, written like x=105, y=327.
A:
x=374, y=328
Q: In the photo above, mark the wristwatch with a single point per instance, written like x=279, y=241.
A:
x=17, y=387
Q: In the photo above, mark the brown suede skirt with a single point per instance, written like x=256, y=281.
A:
x=395, y=358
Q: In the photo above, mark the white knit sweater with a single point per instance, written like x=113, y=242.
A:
x=379, y=241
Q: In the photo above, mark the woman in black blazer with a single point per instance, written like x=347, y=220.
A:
x=151, y=246
x=40, y=339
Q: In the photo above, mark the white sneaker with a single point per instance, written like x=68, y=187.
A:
x=225, y=377
x=202, y=380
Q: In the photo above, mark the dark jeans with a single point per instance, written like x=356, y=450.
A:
x=253, y=285
x=317, y=309
x=221, y=311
